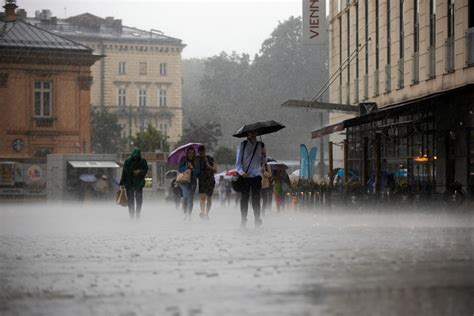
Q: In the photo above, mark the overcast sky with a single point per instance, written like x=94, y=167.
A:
x=206, y=26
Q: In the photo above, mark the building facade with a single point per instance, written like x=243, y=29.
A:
x=44, y=91
x=139, y=78
x=415, y=60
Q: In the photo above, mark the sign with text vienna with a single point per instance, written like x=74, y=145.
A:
x=314, y=22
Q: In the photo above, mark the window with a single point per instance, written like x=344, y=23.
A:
x=416, y=26
x=376, y=34
x=163, y=100
x=43, y=98
x=143, y=68
x=389, y=53
x=450, y=18
x=432, y=23
x=122, y=97
x=142, y=97
x=162, y=69
x=470, y=9
x=122, y=68
x=164, y=129
x=402, y=32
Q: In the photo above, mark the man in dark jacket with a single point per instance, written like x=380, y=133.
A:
x=133, y=178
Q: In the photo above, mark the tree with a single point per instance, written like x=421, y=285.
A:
x=150, y=140
x=106, y=132
x=225, y=156
x=207, y=133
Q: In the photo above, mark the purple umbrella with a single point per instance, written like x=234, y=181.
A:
x=176, y=155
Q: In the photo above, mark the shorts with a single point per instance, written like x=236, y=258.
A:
x=206, y=187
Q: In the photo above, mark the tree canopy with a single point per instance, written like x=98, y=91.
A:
x=150, y=140
x=106, y=132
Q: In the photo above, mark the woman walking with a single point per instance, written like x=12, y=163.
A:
x=189, y=165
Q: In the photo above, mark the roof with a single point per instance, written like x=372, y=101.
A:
x=19, y=35
x=87, y=25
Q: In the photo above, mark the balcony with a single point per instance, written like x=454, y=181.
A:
x=449, y=66
x=470, y=47
x=431, y=70
x=415, y=68
x=376, y=82
x=388, y=78
x=43, y=122
x=401, y=73
x=356, y=90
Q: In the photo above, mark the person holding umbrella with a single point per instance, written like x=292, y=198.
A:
x=189, y=164
x=133, y=179
x=251, y=155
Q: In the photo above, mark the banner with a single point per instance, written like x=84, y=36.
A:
x=312, y=160
x=304, y=162
x=314, y=22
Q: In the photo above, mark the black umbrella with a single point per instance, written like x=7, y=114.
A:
x=261, y=128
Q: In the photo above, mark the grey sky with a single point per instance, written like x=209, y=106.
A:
x=207, y=27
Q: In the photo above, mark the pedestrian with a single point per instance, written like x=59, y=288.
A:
x=281, y=186
x=133, y=179
x=222, y=190
x=207, y=169
x=250, y=156
x=101, y=187
x=266, y=187
x=189, y=162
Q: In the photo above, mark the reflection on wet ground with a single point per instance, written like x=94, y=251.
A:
x=92, y=259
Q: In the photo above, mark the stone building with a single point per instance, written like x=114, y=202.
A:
x=44, y=91
x=414, y=60
x=140, y=76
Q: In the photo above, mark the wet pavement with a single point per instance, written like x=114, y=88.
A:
x=94, y=260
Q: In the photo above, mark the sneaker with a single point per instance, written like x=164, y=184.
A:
x=258, y=222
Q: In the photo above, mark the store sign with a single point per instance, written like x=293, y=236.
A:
x=34, y=173
x=314, y=22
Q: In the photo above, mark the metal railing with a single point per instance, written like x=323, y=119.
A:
x=415, y=68
x=376, y=82
x=470, y=47
x=431, y=70
x=449, y=66
x=401, y=73
x=356, y=90
x=388, y=78
x=366, y=87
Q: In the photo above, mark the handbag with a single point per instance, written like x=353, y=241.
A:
x=184, y=177
x=121, y=198
x=238, y=182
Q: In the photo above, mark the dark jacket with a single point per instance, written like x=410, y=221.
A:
x=134, y=162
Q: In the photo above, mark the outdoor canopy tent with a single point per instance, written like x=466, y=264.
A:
x=94, y=164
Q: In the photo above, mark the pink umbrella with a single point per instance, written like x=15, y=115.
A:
x=231, y=172
x=176, y=155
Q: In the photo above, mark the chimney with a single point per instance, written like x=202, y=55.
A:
x=10, y=13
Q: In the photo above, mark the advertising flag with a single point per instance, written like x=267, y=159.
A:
x=304, y=162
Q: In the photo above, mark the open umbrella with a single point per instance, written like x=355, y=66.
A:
x=231, y=172
x=261, y=128
x=277, y=165
x=176, y=155
x=88, y=178
x=171, y=174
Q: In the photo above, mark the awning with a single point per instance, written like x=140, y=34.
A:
x=94, y=164
x=328, y=129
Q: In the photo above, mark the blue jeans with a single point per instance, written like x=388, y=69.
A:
x=187, y=190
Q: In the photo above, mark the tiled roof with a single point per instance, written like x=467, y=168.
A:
x=19, y=34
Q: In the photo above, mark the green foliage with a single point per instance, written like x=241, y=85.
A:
x=225, y=156
x=235, y=90
x=106, y=132
x=150, y=140
x=207, y=133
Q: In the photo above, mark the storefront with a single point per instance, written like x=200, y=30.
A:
x=423, y=146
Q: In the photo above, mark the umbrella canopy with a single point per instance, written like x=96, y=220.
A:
x=176, y=155
x=277, y=165
x=231, y=172
x=88, y=178
x=296, y=172
x=270, y=159
x=171, y=174
x=261, y=128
